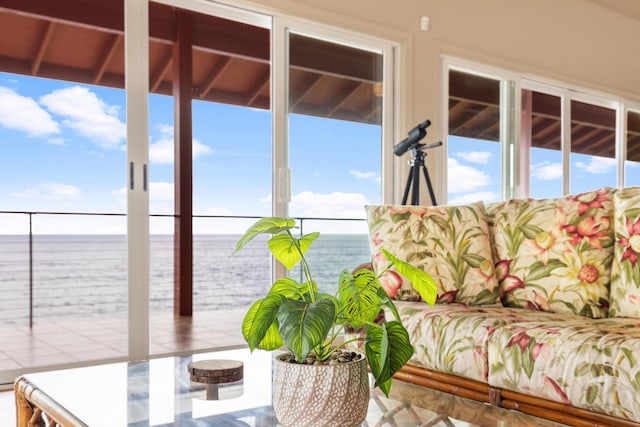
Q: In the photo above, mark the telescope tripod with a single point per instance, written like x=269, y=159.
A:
x=417, y=163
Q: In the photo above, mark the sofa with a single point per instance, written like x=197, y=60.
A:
x=538, y=304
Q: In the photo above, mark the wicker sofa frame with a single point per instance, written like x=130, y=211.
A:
x=482, y=392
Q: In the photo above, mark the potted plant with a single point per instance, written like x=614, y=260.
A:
x=309, y=324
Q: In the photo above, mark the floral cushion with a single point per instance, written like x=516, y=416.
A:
x=555, y=254
x=591, y=365
x=625, y=274
x=450, y=243
x=453, y=338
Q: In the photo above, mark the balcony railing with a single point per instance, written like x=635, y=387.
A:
x=86, y=274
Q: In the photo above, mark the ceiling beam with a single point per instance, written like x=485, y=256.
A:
x=106, y=57
x=207, y=84
x=317, y=78
x=160, y=72
x=344, y=99
x=258, y=87
x=43, y=44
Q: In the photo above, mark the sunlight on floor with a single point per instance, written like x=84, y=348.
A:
x=7, y=409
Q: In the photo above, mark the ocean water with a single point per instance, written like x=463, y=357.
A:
x=86, y=275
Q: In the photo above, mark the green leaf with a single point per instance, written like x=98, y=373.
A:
x=388, y=302
x=288, y=249
x=632, y=213
x=591, y=393
x=629, y=355
x=538, y=270
x=359, y=298
x=304, y=326
x=530, y=231
x=422, y=282
x=261, y=316
x=528, y=362
x=388, y=349
x=271, y=225
x=581, y=369
x=474, y=260
x=288, y=288
x=272, y=340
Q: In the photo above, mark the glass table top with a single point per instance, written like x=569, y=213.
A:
x=159, y=392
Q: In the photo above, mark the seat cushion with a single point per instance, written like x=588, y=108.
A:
x=453, y=338
x=450, y=243
x=589, y=364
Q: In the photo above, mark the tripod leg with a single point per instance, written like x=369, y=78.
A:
x=415, y=195
x=426, y=177
x=408, y=186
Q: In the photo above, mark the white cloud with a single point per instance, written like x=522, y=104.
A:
x=331, y=205
x=366, y=176
x=480, y=157
x=464, y=199
x=24, y=114
x=161, y=191
x=159, y=194
x=546, y=171
x=87, y=114
x=597, y=165
x=465, y=179
x=265, y=199
x=162, y=151
x=120, y=195
x=49, y=191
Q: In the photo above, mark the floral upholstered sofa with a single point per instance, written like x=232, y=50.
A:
x=538, y=301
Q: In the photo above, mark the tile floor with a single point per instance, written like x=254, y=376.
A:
x=58, y=342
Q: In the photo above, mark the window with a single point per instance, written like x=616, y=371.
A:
x=567, y=137
x=477, y=143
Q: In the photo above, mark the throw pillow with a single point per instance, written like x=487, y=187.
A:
x=625, y=274
x=555, y=254
x=449, y=242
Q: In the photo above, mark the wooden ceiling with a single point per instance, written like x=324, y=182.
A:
x=82, y=41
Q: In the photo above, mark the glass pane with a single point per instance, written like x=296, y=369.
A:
x=335, y=146
x=545, y=142
x=63, y=260
x=228, y=125
x=593, y=153
x=474, y=150
x=632, y=164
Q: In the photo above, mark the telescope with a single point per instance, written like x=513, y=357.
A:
x=412, y=142
x=415, y=135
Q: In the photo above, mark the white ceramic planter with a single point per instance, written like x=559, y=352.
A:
x=320, y=395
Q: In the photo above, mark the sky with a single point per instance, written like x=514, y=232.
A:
x=63, y=149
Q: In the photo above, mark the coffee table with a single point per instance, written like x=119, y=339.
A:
x=159, y=392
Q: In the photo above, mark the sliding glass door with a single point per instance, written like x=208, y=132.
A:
x=335, y=146
x=150, y=135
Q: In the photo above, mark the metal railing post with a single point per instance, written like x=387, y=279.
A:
x=30, y=271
